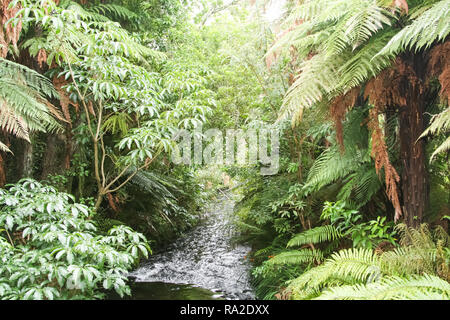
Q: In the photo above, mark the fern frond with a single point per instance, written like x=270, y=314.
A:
x=439, y=123
x=443, y=147
x=421, y=252
x=359, y=24
x=315, y=235
x=153, y=184
x=393, y=288
x=347, y=266
x=427, y=28
x=365, y=63
x=363, y=184
x=330, y=166
x=318, y=77
x=310, y=283
x=407, y=260
x=358, y=265
x=22, y=102
x=114, y=12
x=4, y=147
x=117, y=123
x=321, y=11
x=297, y=257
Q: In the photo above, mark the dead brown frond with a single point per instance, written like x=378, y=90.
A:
x=338, y=109
x=381, y=158
x=394, y=86
x=439, y=66
x=9, y=34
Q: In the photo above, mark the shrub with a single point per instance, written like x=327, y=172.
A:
x=50, y=247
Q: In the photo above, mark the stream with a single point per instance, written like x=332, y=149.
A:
x=201, y=265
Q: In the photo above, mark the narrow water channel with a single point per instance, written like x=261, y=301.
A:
x=203, y=264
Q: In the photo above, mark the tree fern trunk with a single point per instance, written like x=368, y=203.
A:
x=414, y=177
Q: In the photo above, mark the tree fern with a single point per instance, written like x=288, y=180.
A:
x=361, y=43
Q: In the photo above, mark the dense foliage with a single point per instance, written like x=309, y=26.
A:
x=92, y=92
x=51, y=248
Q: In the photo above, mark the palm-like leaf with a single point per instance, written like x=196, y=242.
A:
x=23, y=106
x=315, y=235
x=439, y=123
x=426, y=28
x=297, y=257
x=424, y=287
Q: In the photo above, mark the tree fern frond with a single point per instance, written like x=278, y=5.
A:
x=439, y=123
x=27, y=104
x=427, y=28
x=367, y=184
x=315, y=235
x=18, y=73
x=321, y=11
x=22, y=102
x=365, y=63
x=330, y=166
x=349, y=266
x=151, y=183
x=13, y=123
x=4, y=147
x=360, y=23
x=297, y=257
x=114, y=12
x=393, y=288
x=357, y=265
x=443, y=147
x=318, y=77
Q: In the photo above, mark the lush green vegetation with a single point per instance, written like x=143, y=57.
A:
x=54, y=249
x=92, y=92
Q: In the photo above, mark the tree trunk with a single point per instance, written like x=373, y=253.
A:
x=49, y=162
x=99, y=200
x=27, y=160
x=2, y=171
x=414, y=177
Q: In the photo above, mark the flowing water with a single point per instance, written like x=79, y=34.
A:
x=203, y=264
